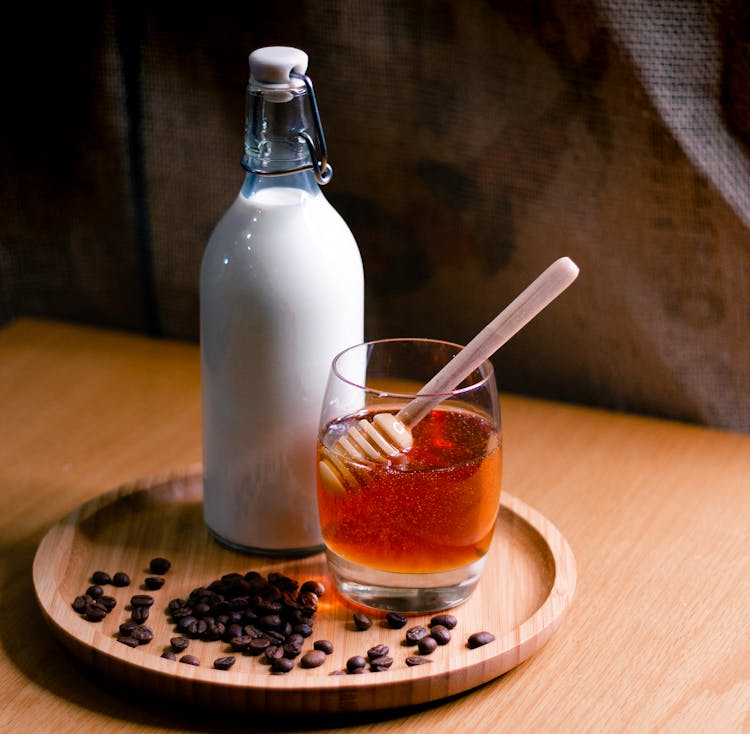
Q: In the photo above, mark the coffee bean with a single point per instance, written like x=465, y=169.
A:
x=281, y=665
x=416, y=633
x=101, y=578
x=315, y=586
x=241, y=643
x=313, y=659
x=153, y=582
x=292, y=650
x=81, y=602
x=445, y=620
x=179, y=644
x=109, y=602
x=184, y=623
x=121, y=579
x=427, y=645
x=274, y=652
x=413, y=660
x=357, y=662
x=480, y=638
x=303, y=629
x=362, y=621
x=143, y=634
x=270, y=622
x=377, y=651
x=380, y=664
x=224, y=663
x=441, y=635
x=142, y=600
x=139, y=614
x=94, y=591
x=325, y=646
x=128, y=640
x=95, y=612
x=395, y=621
x=127, y=627
x=169, y=655
x=159, y=566
x=190, y=660
x=257, y=646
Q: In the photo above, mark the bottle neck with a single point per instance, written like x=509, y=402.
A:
x=278, y=125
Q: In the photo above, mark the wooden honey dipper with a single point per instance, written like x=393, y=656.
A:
x=388, y=434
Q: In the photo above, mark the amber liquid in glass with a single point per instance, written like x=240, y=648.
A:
x=432, y=509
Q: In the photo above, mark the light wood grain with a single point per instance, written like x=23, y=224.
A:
x=657, y=515
x=528, y=584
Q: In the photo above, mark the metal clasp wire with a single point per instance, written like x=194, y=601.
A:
x=321, y=166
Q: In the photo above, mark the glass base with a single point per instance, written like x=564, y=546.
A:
x=276, y=552
x=407, y=593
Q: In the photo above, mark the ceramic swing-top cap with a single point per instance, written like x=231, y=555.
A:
x=274, y=64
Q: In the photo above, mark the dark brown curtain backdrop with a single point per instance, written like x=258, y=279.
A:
x=473, y=143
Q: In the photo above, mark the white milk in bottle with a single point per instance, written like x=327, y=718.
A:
x=281, y=293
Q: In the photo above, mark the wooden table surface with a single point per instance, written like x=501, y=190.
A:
x=657, y=514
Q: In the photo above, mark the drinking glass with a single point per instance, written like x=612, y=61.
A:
x=409, y=533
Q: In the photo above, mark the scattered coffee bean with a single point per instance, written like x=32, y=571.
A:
x=413, y=660
x=109, y=602
x=274, y=652
x=441, y=635
x=313, y=659
x=190, y=660
x=142, y=600
x=159, y=566
x=395, y=621
x=427, y=645
x=257, y=646
x=292, y=650
x=153, y=582
x=143, y=634
x=224, y=663
x=416, y=633
x=169, y=655
x=95, y=612
x=94, y=591
x=362, y=622
x=179, y=644
x=281, y=665
x=81, y=602
x=308, y=602
x=128, y=640
x=127, y=627
x=325, y=646
x=377, y=651
x=315, y=586
x=101, y=578
x=139, y=614
x=380, y=664
x=241, y=643
x=445, y=620
x=121, y=579
x=355, y=663
x=480, y=638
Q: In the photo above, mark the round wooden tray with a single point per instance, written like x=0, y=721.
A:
x=527, y=585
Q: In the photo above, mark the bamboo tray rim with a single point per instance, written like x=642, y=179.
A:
x=324, y=693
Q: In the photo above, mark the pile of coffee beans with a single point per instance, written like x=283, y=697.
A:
x=268, y=617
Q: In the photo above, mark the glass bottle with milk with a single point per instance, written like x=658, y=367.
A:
x=281, y=293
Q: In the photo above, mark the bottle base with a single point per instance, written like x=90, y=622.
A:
x=255, y=551
x=407, y=593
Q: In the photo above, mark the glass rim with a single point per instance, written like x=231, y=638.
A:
x=486, y=370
